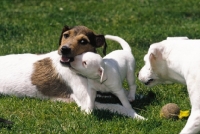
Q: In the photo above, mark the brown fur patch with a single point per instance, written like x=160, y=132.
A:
x=48, y=81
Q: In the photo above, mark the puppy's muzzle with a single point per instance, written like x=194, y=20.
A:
x=66, y=57
x=65, y=50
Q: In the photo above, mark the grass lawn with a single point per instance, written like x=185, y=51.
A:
x=34, y=27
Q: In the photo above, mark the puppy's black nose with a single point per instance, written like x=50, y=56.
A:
x=65, y=50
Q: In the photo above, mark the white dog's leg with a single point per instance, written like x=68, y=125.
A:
x=131, y=82
x=193, y=124
x=91, y=100
x=131, y=93
x=122, y=97
x=116, y=108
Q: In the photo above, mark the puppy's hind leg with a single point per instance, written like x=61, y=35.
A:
x=131, y=81
x=120, y=93
x=116, y=108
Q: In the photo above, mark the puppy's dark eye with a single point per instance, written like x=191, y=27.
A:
x=83, y=41
x=65, y=36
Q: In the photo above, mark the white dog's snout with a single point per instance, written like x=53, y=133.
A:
x=140, y=75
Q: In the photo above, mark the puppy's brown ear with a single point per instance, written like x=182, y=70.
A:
x=101, y=41
x=65, y=28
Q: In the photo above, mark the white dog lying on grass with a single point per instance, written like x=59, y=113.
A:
x=107, y=74
x=176, y=60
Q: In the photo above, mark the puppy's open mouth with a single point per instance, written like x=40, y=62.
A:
x=66, y=60
x=149, y=81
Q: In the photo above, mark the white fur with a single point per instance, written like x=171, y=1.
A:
x=176, y=60
x=16, y=71
x=15, y=79
x=177, y=38
x=107, y=74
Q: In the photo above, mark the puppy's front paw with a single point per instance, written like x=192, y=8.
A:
x=87, y=110
x=131, y=94
x=131, y=98
x=139, y=117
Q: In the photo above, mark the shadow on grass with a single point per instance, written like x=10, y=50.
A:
x=143, y=100
x=140, y=100
x=5, y=123
x=106, y=115
x=139, y=104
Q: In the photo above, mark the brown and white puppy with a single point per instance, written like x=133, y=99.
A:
x=48, y=76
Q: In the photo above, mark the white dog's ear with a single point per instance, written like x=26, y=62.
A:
x=155, y=55
x=102, y=75
x=84, y=63
x=152, y=57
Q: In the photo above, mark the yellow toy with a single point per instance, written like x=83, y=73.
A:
x=172, y=111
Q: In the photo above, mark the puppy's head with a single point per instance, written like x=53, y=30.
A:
x=155, y=69
x=77, y=40
x=89, y=65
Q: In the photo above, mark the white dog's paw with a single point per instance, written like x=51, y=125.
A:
x=87, y=110
x=131, y=98
x=131, y=94
x=139, y=117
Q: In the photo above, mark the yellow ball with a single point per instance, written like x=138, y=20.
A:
x=170, y=111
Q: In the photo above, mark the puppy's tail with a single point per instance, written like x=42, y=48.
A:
x=121, y=41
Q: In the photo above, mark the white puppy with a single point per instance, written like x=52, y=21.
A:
x=176, y=60
x=107, y=74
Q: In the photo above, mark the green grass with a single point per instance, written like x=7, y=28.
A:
x=34, y=27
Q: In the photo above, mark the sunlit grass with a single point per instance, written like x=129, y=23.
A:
x=34, y=27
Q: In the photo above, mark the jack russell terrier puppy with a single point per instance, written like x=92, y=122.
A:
x=107, y=74
x=176, y=60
